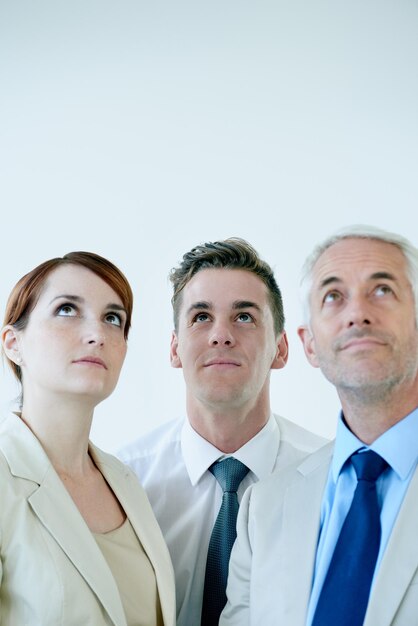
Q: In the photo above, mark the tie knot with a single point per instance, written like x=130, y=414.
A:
x=229, y=473
x=368, y=465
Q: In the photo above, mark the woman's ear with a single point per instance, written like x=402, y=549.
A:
x=10, y=343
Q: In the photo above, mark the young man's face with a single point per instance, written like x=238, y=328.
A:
x=225, y=342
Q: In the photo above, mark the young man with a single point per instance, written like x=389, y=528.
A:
x=229, y=335
x=333, y=540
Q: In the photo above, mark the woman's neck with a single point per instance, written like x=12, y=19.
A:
x=63, y=430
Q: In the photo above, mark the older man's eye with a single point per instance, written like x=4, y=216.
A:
x=332, y=296
x=383, y=290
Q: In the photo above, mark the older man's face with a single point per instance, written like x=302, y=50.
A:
x=363, y=332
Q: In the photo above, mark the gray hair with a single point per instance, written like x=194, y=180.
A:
x=359, y=231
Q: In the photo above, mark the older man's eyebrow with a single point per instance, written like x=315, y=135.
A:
x=329, y=281
x=383, y=276
x=375, y=276
x=334, y=280
x=238, y=305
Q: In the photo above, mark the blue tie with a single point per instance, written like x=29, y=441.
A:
x=229, y=474
x=345, y=594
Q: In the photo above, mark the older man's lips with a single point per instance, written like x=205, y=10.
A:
x=361, y=343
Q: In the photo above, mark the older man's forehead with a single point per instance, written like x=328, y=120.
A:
x=369, y=257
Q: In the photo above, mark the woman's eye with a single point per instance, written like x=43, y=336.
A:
x=114, y=318
x=245, y=317
x=67, y=310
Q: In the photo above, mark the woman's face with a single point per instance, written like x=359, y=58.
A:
x=73, y=343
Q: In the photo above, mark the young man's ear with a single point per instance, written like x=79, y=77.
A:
x=282, y=352
x=308, y=343
x=174, y=357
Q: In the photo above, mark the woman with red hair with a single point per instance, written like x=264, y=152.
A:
x=79, y=544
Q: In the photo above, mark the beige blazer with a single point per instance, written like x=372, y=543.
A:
x=272, y=562
x=52, y=572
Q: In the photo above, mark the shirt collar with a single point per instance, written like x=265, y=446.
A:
x=398, y=445
x=199, y=454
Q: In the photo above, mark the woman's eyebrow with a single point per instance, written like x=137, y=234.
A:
x=67, y=297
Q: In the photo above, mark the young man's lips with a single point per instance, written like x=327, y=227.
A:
x=91, y=360
x=222, y=362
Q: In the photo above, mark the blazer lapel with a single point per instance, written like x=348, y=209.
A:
x=55, y=509
x=58, y=513
x=301, y=524
x=399, y=562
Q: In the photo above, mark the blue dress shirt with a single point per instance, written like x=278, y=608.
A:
x=399, y=447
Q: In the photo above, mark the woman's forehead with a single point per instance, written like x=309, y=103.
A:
x=75, y=280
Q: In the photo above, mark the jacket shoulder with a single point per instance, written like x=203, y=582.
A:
x=110, y=465
x=152, y=443
x=311, y=467
x=299, y=437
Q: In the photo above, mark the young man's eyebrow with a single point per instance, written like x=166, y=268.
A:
x=245, y=304
x=238, y=305
x=199, y=306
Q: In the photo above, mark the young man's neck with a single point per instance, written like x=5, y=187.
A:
x=228, y=430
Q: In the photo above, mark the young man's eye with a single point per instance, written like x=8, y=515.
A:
x=245, y=317
x=201, y=317
x=66, y=310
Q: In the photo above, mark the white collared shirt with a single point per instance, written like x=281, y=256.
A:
x=172, y=464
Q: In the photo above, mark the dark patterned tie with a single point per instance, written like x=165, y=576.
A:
x=229, y=474
x=345, y=594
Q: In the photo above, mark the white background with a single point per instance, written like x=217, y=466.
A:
x=140, y=129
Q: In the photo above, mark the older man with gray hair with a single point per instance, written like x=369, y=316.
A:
x=333, y=540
